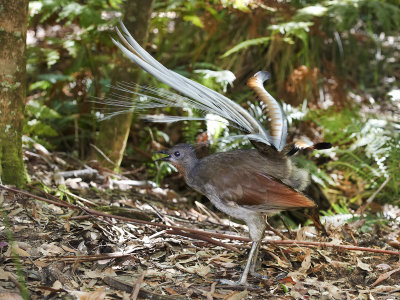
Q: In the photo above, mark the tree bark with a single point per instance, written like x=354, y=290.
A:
x=13, y=26
x=113, y=133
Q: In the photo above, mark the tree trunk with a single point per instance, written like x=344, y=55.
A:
x=13, y=25
x=113, y=133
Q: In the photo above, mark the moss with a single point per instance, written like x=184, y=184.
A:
x=12, y=166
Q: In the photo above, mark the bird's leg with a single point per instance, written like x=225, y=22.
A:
x=251, y=262
x=257, y=227
x=247, y=268
x=254, y=265
x=256, y=224
x=254, y=261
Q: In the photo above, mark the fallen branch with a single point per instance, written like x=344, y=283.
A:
x=328, y=245
x=135, y=291
x=144, y=294
x=16, y=191
x=93, y=212
x=203, y=238
x=86, y=258
x=83, y=173
x=201, y=232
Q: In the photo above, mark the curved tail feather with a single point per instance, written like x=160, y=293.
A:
x=199, y=96
x=304, y=144
x=277, y=118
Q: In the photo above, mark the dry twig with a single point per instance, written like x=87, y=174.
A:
x=197, y=231
x=135, y=291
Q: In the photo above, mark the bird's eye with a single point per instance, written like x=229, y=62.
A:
x=177, y=153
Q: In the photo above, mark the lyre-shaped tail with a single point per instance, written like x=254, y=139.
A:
x=199, y=97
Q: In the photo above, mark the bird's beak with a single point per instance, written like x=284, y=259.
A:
x=165, y=158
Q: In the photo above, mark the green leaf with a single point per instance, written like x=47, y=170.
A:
x=42, y=85
x=247, y=44
x=70, y=12
x=195, y=20
x=41, y=111
x=38, y=128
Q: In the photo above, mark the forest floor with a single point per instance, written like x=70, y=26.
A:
x=76, y=251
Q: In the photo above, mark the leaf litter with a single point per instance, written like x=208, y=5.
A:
x=62, y=252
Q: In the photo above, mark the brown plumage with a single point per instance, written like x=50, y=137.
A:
x=248, y=178
x=245, y=184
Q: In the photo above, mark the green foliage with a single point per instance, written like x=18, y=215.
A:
x=88, y=15
x=337, y=209
x=159, y=170
x=324, y=31
x=195, y=20
x=191, y=130
x=366, y=152
x=348, y=120
x=348, y=43
x=37, y=124
x=370, y=219
x=377, y=15
x=69, y=57
x=246, y=44
x=284, y=288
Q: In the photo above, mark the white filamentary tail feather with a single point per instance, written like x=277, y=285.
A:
x=198, y=97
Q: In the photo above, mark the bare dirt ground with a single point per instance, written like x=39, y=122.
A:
x=72, y=249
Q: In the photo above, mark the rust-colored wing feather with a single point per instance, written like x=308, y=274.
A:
x=263, y=190
x=259, y=192
x=247, y=178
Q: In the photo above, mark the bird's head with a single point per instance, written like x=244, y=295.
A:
x=181, y=156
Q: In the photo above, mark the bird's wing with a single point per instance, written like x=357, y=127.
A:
x=259, y=192
x=200, y=97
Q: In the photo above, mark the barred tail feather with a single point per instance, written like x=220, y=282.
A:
x=197, y=95
x=277, y=118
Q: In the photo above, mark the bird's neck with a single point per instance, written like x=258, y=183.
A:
x=186, y=168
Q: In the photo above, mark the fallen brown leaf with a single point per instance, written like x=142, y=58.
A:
x=384, y=276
